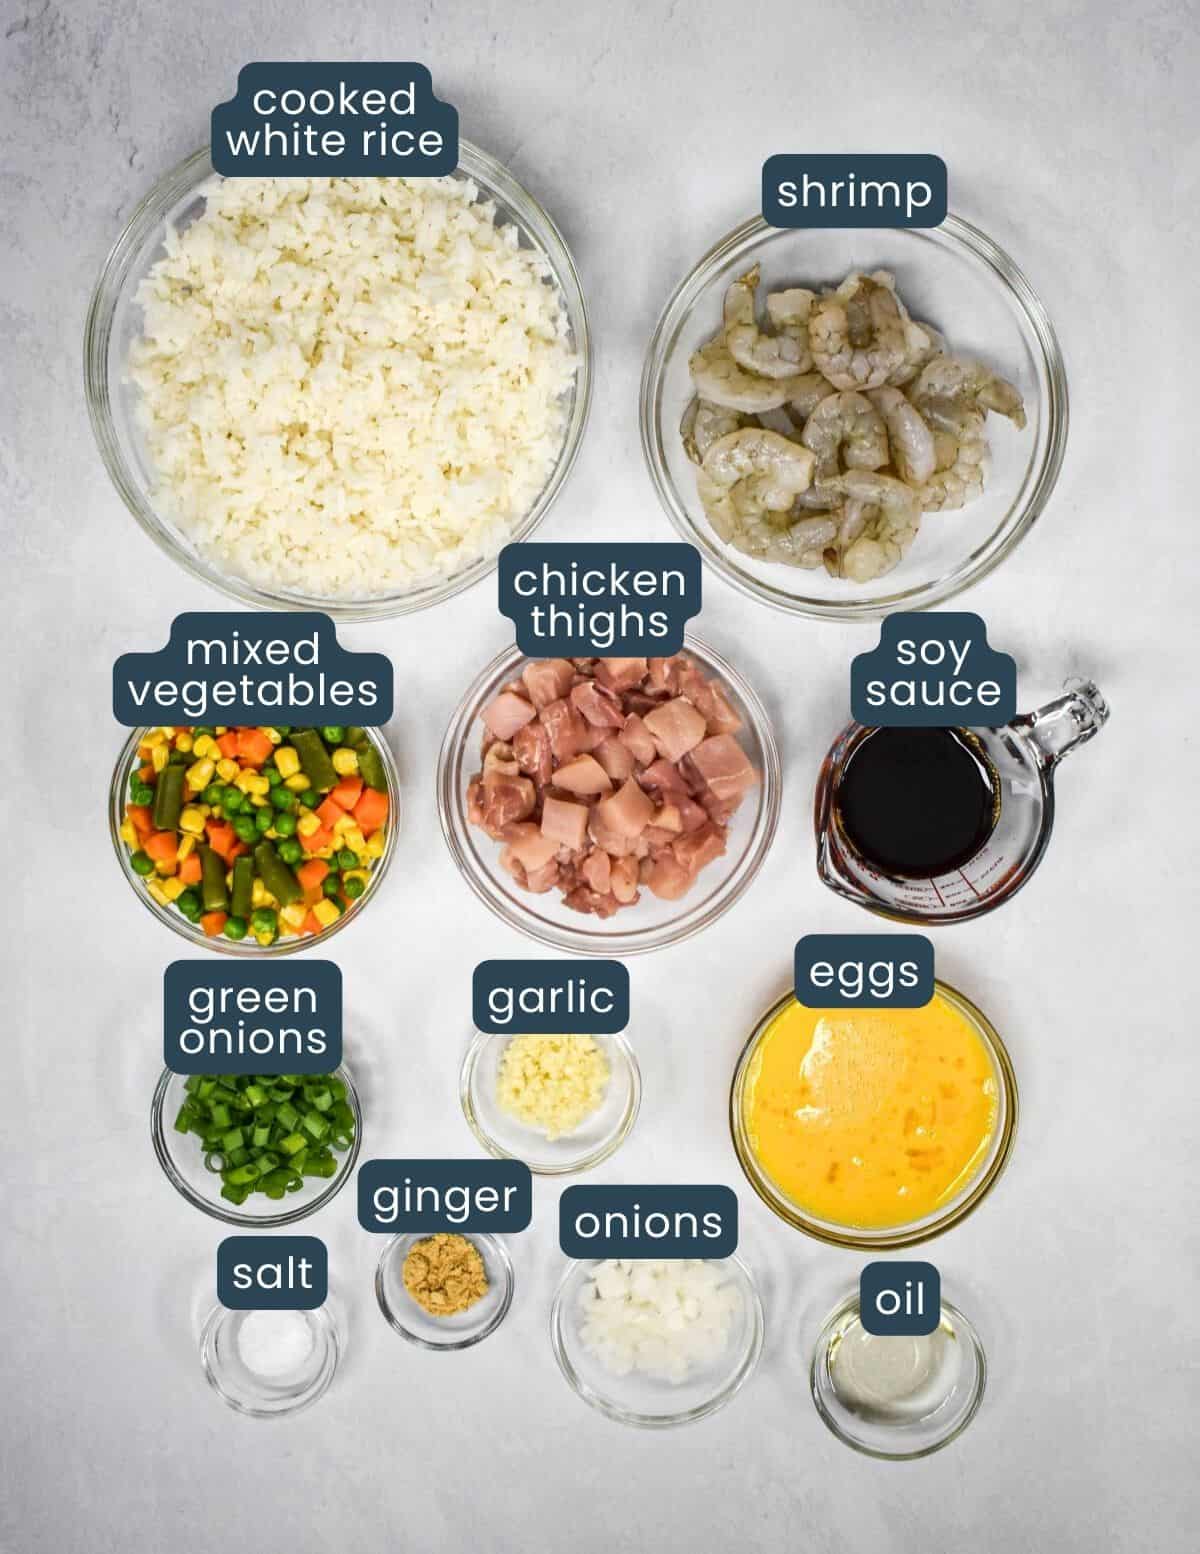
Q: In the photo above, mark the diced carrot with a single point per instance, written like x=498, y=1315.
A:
x=146, y=772
x=253, y=746
x=347, y=792
x=162, y=846
x=228, y=745
x=320, y=838
x=239, y=847
x=329, y=812
x=371, y=810
x=213, y=923
x=189, y=869
x=312, y=872
x=221, y=837
x=139, y=814
x=311, y=925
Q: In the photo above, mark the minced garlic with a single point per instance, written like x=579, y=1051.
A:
x=552, y=1083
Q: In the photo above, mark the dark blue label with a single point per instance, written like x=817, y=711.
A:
x=252, y=1017
x=432, y=1195
x=303, y=119
x=648, y=1221
x=900, y=1298
x=933, y=670
x=864, y=971
x=605, y=601
x=272, y=1273
x=799, y=190
x=542, y=997
x=238, y=667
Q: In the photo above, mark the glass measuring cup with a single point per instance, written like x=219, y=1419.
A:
x=1022, y=756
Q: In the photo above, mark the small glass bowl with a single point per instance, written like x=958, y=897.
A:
x=954, y=277
x=118, y=796
x=862, y=1238
x=650, y=924
x=646, y=1401
x=461, y=1331
x=182, y=1160
x=114, y=320
x=267, y=1397
x=597, y=1137
x=951, y=1399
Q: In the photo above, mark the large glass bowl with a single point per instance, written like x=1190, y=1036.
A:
x=114, y=320
x=182, y=1159
x=249, y=946
x=871, y=1239
x=651, y=923
x=647, y=1401
x=953, y=277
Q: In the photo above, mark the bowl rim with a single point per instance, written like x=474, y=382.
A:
x=957, y=234
x=323, y=1319
x=249, y=948
x=743, y=1373
x=495, y=181
x=580, y=1164
x=896, y=1236
x=820, y=1353
x=500, y=1259
x=228, y=1213
x=580, y=941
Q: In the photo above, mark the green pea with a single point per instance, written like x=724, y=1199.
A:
x=354, y=888
x=264, y=819
x=285, y=824
x=135, y=781
x=189, y=904
x=282, y=798
x=333, y=735
x=245, y=828
x=234, y=801
x=180, y=758
x=347, y=859
x=308, y=799
x=214, y=793
x=142, y=794
x=290, y=850
x=273, y=776
x=330, y=885
x=235, y=928
x=283, y=729
x=264, y=920
x=199, y=730
x=141, y=863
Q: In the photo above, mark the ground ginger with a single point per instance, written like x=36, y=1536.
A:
x=444, y=1274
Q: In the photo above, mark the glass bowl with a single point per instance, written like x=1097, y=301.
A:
x=114, y=321
x=268, y=1397
x=249, y=946
x=954, y=277
x=650, y=924
x=182, y=1160
x=935, y=1414
x=868, y=1239
x=597, y=1137
x=647, y=1401
x=460, y=1331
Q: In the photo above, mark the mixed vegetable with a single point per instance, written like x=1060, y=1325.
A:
x=266, y=1133
x=266, y=832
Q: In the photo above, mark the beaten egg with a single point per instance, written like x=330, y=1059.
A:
x=871, y=1118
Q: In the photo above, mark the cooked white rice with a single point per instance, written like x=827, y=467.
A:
x=349, y=386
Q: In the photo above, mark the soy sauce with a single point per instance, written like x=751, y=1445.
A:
x=918, y=801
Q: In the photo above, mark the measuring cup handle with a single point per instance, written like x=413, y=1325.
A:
x=1068, y=721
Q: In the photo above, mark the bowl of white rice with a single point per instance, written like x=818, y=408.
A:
x=338, y=394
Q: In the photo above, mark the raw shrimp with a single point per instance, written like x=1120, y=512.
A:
x=781, y=355
x=956, y=378
x=888, y=534
x=853, y=517
x=720, y=380
x=703, y=423
x=846, y=424
x=909, y=436
x=760, y=469
x=961, y=449
x=857, y=334
x=761, y=534
x=811, y=390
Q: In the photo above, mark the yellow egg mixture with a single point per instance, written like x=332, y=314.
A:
x=870, y=1118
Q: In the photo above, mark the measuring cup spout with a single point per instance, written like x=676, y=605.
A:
x=1061, y=725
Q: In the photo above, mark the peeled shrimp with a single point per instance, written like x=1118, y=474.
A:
x=703, y=423
x=759, y=469
x=888, y=533
x=811, y=389
x=849, y=425
x=857, y=334
x=852, y=520
x=909, y=436
x=956, y=378
x=764, y=535
x=961, y=453
x=720, y=380
x=781, y=355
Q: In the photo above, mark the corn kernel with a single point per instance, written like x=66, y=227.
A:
x=173, y=889
x=183, y=741
x=272, y=734
x=265, y=939
x=297, y=784
x=187, y=846
x=345, y=761
x=244, y=779
x=353, y=837
x=154, y=736
x=375, y=845
x=343, y=823
x=326, y=913
x=200, y=774
x=307, y=824
x=190, y=819
x=287, y=761
x=221, y=728
x=357, y=874
x=129, y=834
x=258, y=894
x=257, y=800
x=206, y=745
x=294, y=915
x=227, y=769
x=260, y=786
x=159, y=756
x=157, y=893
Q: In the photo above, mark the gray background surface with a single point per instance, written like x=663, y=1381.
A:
x=1069, y=130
